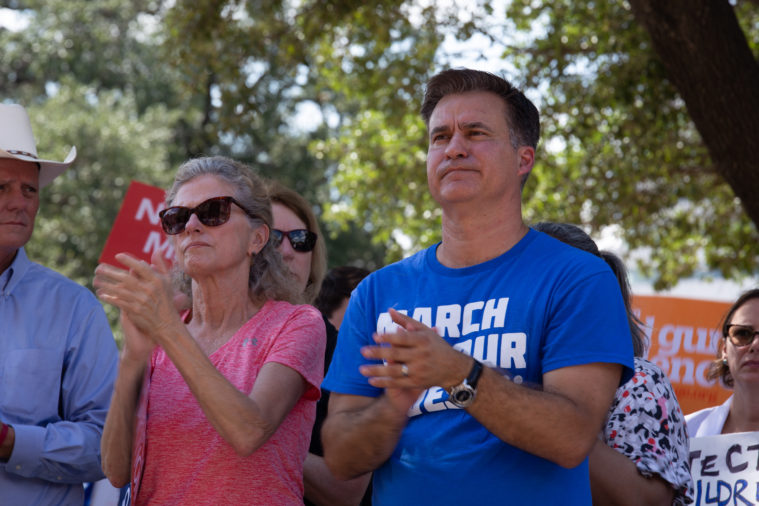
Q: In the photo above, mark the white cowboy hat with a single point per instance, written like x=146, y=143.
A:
x=17, y=141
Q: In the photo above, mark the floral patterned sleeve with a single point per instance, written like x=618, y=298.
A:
x=646, y=425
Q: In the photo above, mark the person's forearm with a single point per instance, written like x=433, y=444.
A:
x=357, y=442
x=60, y=452
x=323, y=489
x=231, y=413
x=118, y=434
x=237, y=417
x=557, y=422
x=544, y=423
x=615, y=480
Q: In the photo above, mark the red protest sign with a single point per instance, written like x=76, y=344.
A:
x=137, y=229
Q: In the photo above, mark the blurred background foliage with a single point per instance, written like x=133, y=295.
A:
x=325, y=96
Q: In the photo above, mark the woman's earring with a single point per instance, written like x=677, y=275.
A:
x=724, y=361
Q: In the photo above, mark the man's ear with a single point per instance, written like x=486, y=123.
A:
x=526, y=160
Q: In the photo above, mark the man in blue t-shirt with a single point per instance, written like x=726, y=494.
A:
x=480, y=370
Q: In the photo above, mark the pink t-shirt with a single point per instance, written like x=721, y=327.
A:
x=187, y=462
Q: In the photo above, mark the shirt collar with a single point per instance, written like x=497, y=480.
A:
x=15, y=271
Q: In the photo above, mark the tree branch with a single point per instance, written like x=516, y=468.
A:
x=708, y=59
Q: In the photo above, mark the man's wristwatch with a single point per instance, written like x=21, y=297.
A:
x=462, y=395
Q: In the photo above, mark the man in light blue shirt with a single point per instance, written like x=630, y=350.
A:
x=57, y=354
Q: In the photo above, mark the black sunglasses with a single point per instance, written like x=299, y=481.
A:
x=741, y=335
x=211, y=213
x=301, y=240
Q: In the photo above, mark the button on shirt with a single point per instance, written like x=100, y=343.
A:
x=58, y=362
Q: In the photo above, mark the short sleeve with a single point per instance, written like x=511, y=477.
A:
x=300, y=346
x=587, y=323
x=344, y=376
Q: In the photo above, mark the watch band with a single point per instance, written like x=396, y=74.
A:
x=474, y=374
x=463, y=394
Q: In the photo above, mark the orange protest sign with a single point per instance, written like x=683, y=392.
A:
x=137, y=229
x=683, y=336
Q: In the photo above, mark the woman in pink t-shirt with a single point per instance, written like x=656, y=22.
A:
x=215, y=407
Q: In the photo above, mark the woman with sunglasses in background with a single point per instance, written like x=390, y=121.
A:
x=297, y=236
x=216, y=406
x=737, y=367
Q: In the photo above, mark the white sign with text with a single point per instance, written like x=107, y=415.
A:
x=725, y=469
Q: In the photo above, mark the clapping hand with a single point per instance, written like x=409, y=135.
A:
x=414, y=358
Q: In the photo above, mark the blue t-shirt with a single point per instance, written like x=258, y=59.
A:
x=540, y=306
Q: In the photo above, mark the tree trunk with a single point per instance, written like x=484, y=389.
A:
x=707, y=58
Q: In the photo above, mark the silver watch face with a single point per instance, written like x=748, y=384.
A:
x=462, y=395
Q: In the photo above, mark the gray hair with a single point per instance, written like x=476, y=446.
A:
x=269, y=277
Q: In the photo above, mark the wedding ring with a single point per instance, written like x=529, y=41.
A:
x=404, y=370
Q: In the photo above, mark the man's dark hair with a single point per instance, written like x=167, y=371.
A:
x=521, y=115
x=338, y=285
